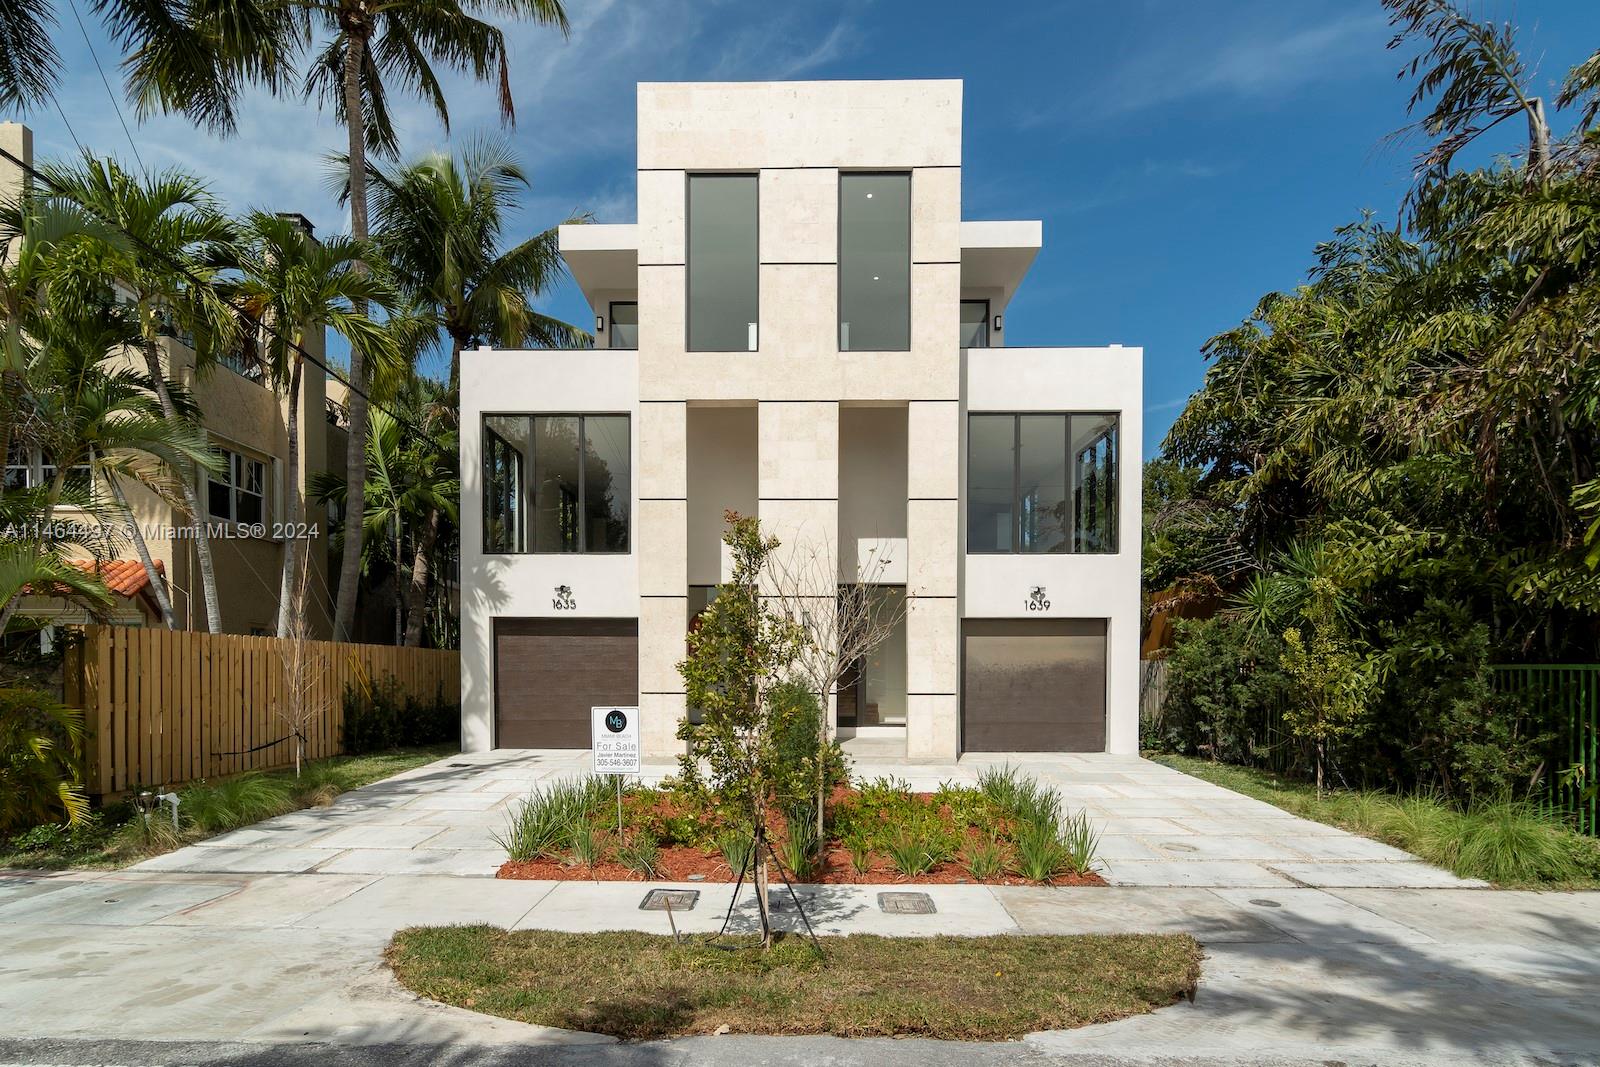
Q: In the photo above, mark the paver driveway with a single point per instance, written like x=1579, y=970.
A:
x=1158, y=827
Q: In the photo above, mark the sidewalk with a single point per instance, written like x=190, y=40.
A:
x=1389, y=975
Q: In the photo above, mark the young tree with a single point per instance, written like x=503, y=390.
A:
x=738, y=655
x=838, y=631
x=304, y=666
x=1330, y=673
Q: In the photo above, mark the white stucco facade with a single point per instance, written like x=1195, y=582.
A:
x=840, y=453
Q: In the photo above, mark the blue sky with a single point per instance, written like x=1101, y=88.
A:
x=1184, y=157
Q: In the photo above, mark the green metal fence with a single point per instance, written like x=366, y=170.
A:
x=1567, y=696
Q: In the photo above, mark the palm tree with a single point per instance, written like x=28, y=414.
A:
x=95, y=416
x=302, y=286
x=439, y=223
x=197, y=58
x=167, y=265
x=28, y=61
x=414, y=489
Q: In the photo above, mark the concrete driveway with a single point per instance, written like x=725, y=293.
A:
x=266, y=948
x=1158, y=827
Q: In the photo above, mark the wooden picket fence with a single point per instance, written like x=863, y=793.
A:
x=164, y=707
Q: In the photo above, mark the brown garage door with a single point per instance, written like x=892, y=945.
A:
x=1033, y=685
x=548, y=673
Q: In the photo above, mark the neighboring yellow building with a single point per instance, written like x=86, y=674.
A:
x=248, y=422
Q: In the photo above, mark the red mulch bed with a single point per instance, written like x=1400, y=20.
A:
x=677, y=864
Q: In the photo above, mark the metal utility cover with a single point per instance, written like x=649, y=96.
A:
x=680, y=899
x=906, y=904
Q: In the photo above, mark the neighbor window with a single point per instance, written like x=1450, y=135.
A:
x=874, y=262
x=723, y=273
x=624, y=329
x=1042, y=483
x=556, y=483
x=33, y=468
x=974, y=324
x=239, y=492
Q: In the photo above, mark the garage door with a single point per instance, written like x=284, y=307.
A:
x=1033, y=685
x=548, y=673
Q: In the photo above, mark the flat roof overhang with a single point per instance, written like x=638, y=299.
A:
x=601, y=256
x=994, y=255
x=997, y=255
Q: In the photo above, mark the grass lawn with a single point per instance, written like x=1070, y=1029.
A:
x=634, y=985
x=1509, y=845
x=114, y=836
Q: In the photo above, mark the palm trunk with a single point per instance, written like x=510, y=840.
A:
x=191, y=500
x=417, y=591
x=1538, y=140
x=158, y=584
x=356, y=450
x=291, y=543
x=399, y=585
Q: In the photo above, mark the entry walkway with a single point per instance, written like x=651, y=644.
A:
x=1158, y=827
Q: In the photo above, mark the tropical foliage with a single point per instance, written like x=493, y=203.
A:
x=1390, y=472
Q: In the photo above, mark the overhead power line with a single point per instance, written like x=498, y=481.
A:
x=244, y=317
x=116, y=105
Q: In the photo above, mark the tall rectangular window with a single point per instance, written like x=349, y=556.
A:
x=874, y=262
x=724, y=275
x=974, y=324
x=1042, y=483
x=624, y=329
x=239, y=492
x=556, y=483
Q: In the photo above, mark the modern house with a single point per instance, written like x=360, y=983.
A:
x=247, y=421
x=801, y=326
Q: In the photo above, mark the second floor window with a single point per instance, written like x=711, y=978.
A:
x=239, y=493
x=724, y=274
x=556, y=483
x=874, y=262
x=1042, y=483
x=974, y=324
x=624, y=330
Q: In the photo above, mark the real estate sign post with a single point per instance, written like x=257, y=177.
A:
x=614, y=736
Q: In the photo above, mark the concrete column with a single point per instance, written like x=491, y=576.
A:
x=932, y=609
x=661, y=542
x=798, y=489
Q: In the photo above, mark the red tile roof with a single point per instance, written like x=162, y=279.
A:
x=124, y=577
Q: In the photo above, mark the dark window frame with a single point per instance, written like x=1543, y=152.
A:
x=529, y=493
x=688, y=274
x=234, y=484
x=987, y=325
x=611, y=322
x=838, y=267
x=1070, y=544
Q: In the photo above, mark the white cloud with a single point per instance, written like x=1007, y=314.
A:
x=1257, y=63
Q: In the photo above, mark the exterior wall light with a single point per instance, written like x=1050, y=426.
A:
x=997, y=324
x=599, y=324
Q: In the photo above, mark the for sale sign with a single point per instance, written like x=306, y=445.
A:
x=615, y=740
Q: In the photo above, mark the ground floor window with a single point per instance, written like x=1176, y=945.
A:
x=873, y=691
